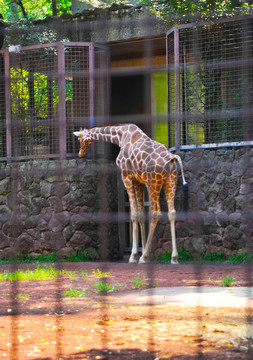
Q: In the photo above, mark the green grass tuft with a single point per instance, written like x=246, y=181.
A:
x=228, y=281
x=101, y=286
x=73, y=293
x=137, y=281
x=20, y=296
x=217, y=257
x=240, y=259
x=81, y=255
x=101, y=274
x=40, y=273
x=183, y=255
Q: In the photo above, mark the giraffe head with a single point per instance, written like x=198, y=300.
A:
x=85, y=139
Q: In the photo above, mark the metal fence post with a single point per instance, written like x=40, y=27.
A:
x=8, y=105
x=92, y=91
x=62, y=103
x=177, y=85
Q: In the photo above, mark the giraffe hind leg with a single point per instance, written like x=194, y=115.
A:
x=140, y=212
x=135, y=237
x=129, y=185
x=170, y=190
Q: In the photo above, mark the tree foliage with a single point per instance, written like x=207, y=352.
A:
x=178, y=11
x=27, y=9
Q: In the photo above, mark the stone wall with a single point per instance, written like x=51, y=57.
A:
x=58, y=206
x=220, y=215
x=63, y=206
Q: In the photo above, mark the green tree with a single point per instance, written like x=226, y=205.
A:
x=38, y=9
x=178, y=11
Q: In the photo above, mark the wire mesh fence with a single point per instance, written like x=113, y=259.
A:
x=52, y=90
x=210, y=83
x=78, y=210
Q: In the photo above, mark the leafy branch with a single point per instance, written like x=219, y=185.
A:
x=19, y=3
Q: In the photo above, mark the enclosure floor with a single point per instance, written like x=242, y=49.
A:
x=129, y=323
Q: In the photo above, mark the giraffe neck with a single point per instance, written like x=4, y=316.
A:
x=111, y=134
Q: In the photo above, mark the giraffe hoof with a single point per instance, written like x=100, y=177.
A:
x=174, y=261
x=133, y=260
x=143, y=260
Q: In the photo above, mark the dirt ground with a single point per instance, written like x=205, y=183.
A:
x=39, y=322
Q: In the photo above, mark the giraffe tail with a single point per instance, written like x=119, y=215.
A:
x=185, y=183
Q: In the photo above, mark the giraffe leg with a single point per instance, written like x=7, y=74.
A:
x=170, y=190
x=141, y=214
x=129, y=185
x=155, y=214
x=134, y=253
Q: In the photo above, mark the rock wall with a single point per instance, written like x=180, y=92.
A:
x=64, y=206
x=58, y=206
x=220, y=215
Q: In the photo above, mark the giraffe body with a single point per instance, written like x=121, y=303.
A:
x=142, y=161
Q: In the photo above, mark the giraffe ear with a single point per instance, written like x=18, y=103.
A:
x=77, y=133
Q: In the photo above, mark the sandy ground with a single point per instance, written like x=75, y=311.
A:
x=178, y=312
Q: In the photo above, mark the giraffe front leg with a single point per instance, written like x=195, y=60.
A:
x=155, y=214
x=145, y=254
x=129, y=185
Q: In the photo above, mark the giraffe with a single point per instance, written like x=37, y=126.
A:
x=142, y=161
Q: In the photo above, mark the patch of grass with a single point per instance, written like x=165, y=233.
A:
x=28, y=259
x=183, y=255
x=216, y=257
x=163, y=258
x=20, y=296
x=84, y=274
x=40, y=273
x=80, y=255
x=240, y=259
x=100, y=274
x=73, y=293
x=44, y=258
x=72, y=274
x=101, y=286
x=137, y=281
x=228, y=281
x=213, y=257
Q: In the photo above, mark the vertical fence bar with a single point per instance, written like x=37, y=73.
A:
x=92, y=83
x=92, y=91
x=62, y=103
x=168, y=89
x=8, y=105
x=177, y=85
x=108, y=87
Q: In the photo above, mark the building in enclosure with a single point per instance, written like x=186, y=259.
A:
x=189, y=87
